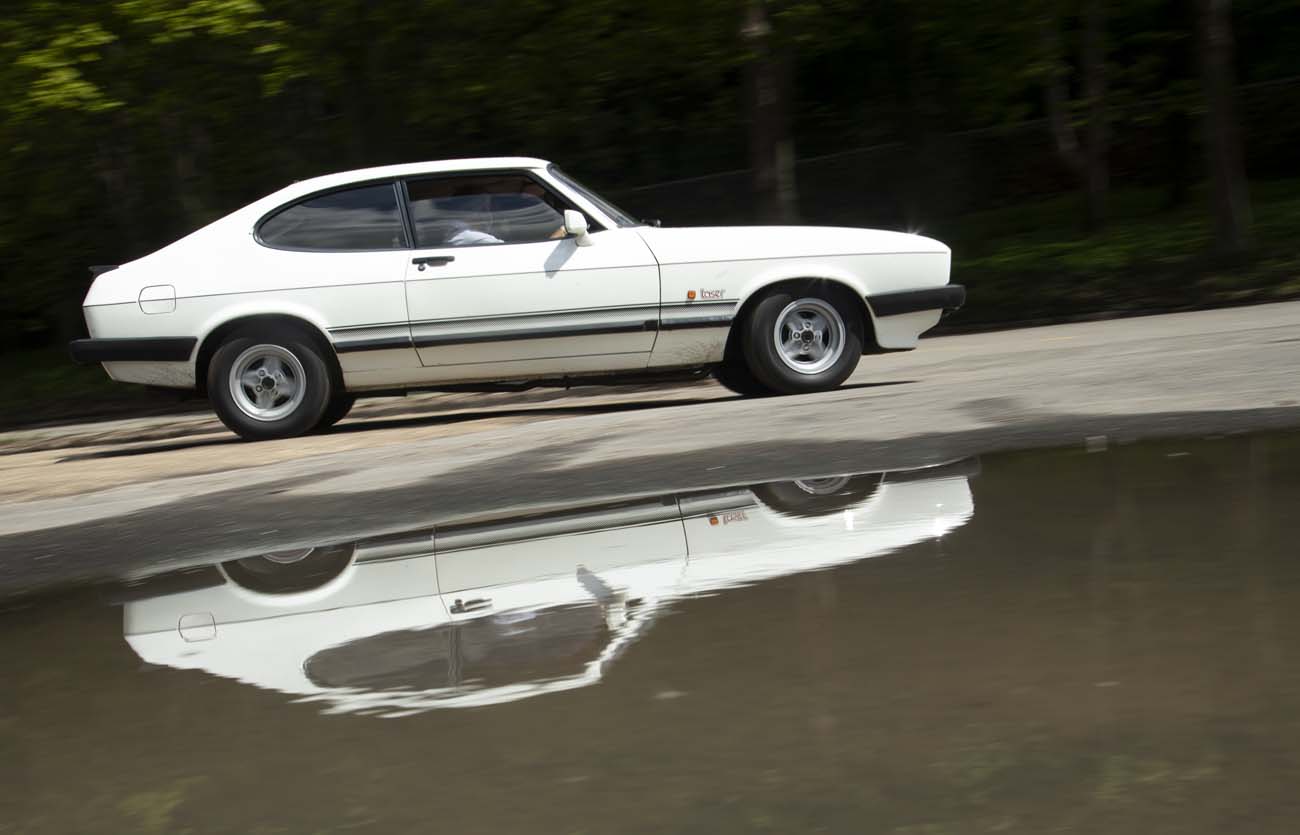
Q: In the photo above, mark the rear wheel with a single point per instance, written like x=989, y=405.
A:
x=804, y=340
x=266, y=386
x=288, y=572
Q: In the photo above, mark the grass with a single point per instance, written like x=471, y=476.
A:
x=1031, y=261
x=44, y=384
x=1028, y=262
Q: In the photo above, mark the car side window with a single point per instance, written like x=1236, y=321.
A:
x=362, y=218
x=480, y=209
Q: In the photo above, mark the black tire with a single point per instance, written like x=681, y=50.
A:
x=335, y=411
x=290, y=572
x=762, y=353
x=813, y=497
x=734, y=375
x=316, y=382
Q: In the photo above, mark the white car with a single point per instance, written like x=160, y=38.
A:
x=488, y=612
x=484, y=273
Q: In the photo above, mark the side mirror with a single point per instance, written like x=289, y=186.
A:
x=575, y=225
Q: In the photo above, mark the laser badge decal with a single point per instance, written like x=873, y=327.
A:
x=729, y=518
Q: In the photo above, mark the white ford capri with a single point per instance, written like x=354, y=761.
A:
x=504, y=608
x=494, y=274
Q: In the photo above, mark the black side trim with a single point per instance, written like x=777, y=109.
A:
x=383, y=343
x=700, y=322
x=155, y=349
x=968, y=467
x=689, y=304
x=535, y=333
x=631, y=310
x=948, y=297
x=171, y=582
x=672, y=374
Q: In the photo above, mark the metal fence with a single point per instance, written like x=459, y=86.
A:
x=897, y=185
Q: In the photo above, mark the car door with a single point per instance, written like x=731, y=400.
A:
x=494, y=289
x=340, y=253
x=514, y=569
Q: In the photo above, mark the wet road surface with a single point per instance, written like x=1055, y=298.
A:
x=1032, y=642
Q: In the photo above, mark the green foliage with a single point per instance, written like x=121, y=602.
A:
x=127, y=123
x=1029, y=261
x=53, y=73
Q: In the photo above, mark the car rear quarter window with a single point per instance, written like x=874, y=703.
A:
x=362, y=218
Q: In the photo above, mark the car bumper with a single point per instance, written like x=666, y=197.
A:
x=154, y=349
x=946, y=298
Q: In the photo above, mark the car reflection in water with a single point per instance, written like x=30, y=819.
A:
x=488, y=612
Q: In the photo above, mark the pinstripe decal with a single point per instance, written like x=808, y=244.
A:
x=534, y=333
x=463, y=331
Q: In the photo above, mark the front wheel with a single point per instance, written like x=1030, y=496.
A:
x=804, y=340
x=264, y=386
x=335, y=411
x=811, y=498
x=735, y=376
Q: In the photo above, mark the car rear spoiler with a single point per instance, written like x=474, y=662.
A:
x=96, y=270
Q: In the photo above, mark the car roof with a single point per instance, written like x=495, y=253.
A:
x=407, y=169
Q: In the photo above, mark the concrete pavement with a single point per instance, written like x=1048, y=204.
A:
x=75, y=500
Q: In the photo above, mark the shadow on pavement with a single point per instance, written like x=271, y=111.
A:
x=418, y=420
x=169, y=446
x=413, y=421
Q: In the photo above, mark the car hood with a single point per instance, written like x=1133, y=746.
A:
x=724, y=243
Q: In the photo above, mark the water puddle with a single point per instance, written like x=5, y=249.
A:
x=1093, y=641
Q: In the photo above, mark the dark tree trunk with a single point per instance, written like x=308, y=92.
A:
x=1097, y=140
x=1229, y=196
x=1178, y=127
x=1178, y=157
x=113, y=164
x=1089, y=161
x=910, y=116
x=188, y=149
x=771, y=146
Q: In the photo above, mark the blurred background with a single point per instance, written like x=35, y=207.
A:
x=1082, y=157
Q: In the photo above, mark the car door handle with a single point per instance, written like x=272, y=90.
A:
x=460, y=607
x=432, y=261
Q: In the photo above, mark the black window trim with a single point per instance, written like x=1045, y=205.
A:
x=594, y=223
x=606, y=208
x=404, y=209
x=284, y=207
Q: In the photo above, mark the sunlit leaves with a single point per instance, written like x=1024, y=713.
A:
x=50, y=73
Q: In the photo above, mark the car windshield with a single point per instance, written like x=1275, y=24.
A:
x=616, y=214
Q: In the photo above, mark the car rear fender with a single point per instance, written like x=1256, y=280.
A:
x=251, y=312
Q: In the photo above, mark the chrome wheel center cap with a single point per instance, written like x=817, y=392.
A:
x=809, y=335
x=267, y=382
